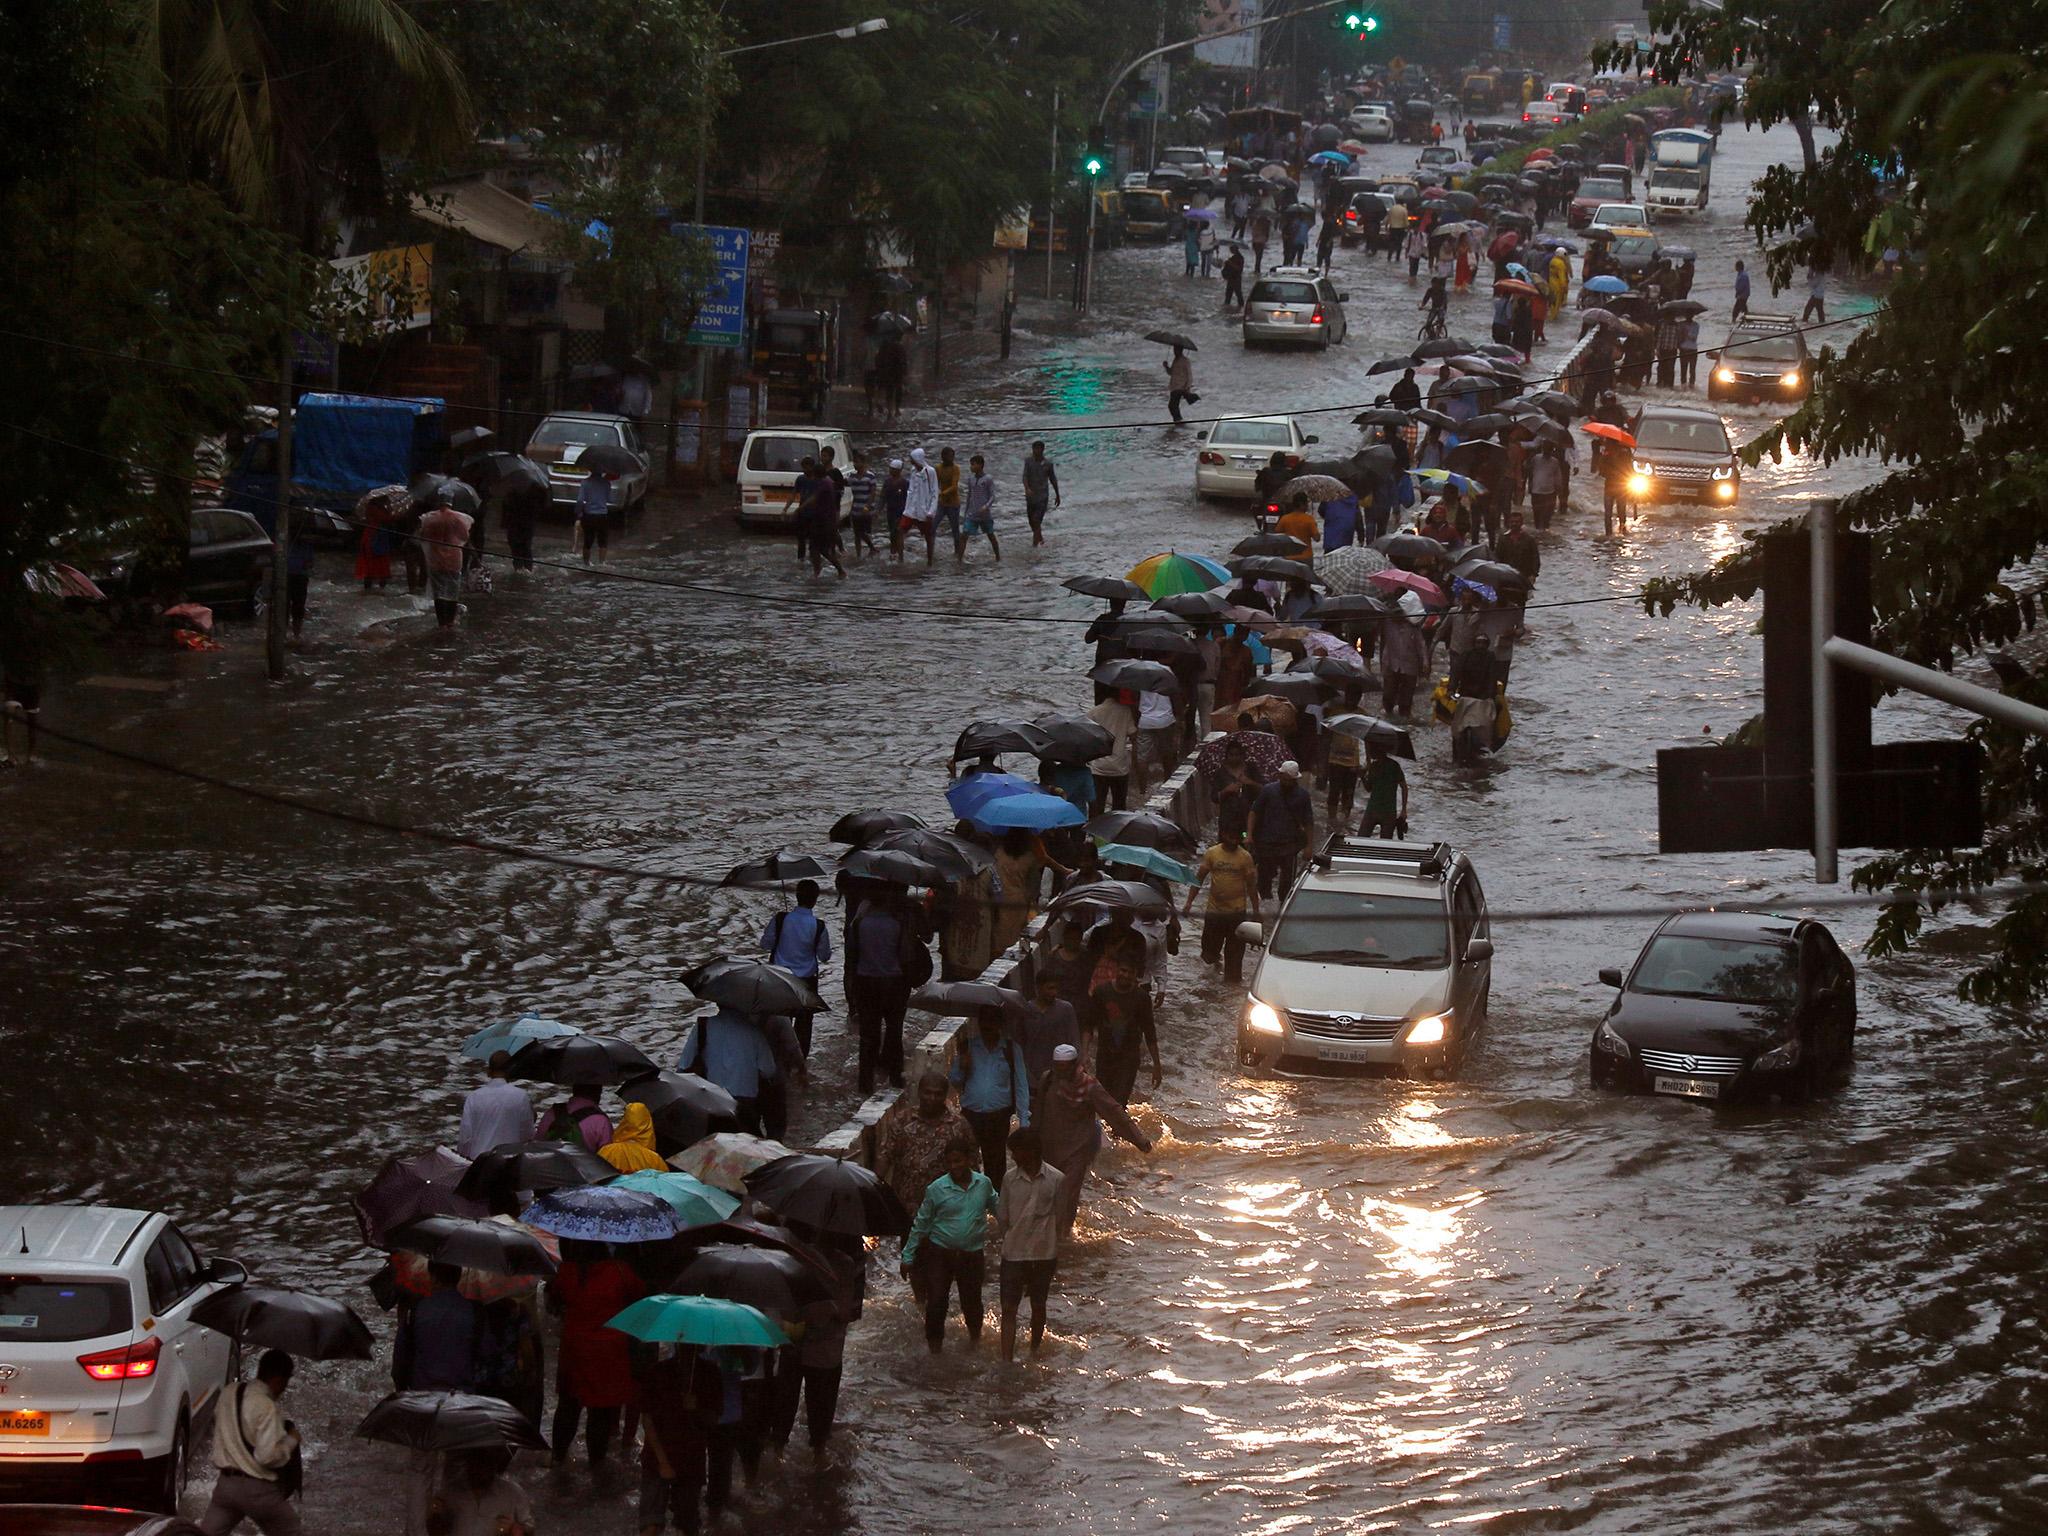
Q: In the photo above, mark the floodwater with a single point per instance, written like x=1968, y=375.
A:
x=1319, y=1305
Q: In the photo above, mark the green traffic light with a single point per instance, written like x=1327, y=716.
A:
x=1353, y=21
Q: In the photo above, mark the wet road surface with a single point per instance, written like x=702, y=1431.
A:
x=1319, y=1305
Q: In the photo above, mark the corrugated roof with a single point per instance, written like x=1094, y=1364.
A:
x=489, y=214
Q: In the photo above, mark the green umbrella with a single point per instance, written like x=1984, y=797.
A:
x=698, y=1320
x=694, y=1200
x=1148, y=859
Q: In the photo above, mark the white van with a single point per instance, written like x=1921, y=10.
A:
x=768, y=469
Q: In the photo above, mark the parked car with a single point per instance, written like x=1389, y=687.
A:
x=1594, y=192
x=1380, y=956
x=559, y=441
x=1682, y=453
x=1764, y=358
x=769, y=463
x=1231, y=453
x=107, y=1376
x=1722, y=1006
x=89, y=1520
x=1294, y=305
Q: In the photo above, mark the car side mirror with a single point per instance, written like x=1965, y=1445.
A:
x=1343, y=298
x=227, y=1271
x=1479, y=949
x=1610, y=976
x=1311, y=438
x=1251, y=933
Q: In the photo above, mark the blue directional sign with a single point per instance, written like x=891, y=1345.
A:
x=722, y=319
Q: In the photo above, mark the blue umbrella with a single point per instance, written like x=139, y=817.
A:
x=999, y=801
x=1328, y=157
x=1460, y=584
x=509, y=1037
x=693, y=1200
x=1606, y=284
x=601, y=1213
x=1149, y=859
x=1516, y=269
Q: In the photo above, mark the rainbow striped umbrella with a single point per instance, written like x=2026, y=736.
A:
x=1164, y=575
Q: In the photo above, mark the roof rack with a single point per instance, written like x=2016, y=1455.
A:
x=1765, y=320
x=1425, y=859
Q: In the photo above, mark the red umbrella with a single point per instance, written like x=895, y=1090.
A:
x=1611, y=433
x=1503, y=245
x=1539, y=154
x=1421, y=586
x=1516, y=285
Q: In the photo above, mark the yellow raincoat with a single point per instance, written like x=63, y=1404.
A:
x=631, y=1148
x=1560, y=281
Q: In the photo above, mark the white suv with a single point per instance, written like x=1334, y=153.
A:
x=104, y=1377
x=1381, y=957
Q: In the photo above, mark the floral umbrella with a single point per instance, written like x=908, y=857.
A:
x=1264, y=752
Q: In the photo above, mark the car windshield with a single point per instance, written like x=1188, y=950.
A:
x=1345, y=928
x=1764, y=346
x=780, y=455
x=40, y=1311
x=1144, y=202
x=1253, y=434
x=1620, y=213
x=1284, y=293
x=1669, y=176
x=1727, y=970
x=1608, y=190
x=558, y=434
x=1635, y=245
x=1684, y=434
x=788, y=336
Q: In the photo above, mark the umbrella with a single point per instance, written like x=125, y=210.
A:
x=1554, y=403
x=1292, y=686
x=991, y=738
x=1477, y=458
x=779, y=868
x=450, y=1421
x=962, y=999
x=1605, y=319
x=496, y=471
x=1503, y=246
x=1684, y=253
x=1354, y=605
x=580, y=1059
x=1162, y=642
x=1484, y=426
x=277, y=1317
x=1341, y=667
x=1141, y=829
x=891, y=867
x=1205, y=605
x=1315, y=488
x=1271, y=714
x=502, y=1172
x=830, y=1195
x=1137, y=676
x=1424, y=416
x=1003, y=801
x=1511, y=285
x=1345, y=569
x=497, y=1247
x=1200, y=216
x=1328, y=157
x=446, y=491
x=409, y=1187
x=685, y=1107
x=63, y=581
x=1274, y=171
x=1109, y=896
x=859, y=827
x=1613, y=434
x=1492, y=573
x=604, y=1213
x=1498, y=349
x=1073, y=739
x=1173, y=339
x=1150, y=860
x=1114, y=588
x=1443, y=479
x=606, y=459
x=1681, y=309
x=1374, y=733
x=956, y=858
x=1441, y=346
x=1464, y=385
x=750, y=985
x=695, y=1203
x=723, y=1161
x=1391, y=365
x=892, y=323
x=1605, y=283
x=1284, y=545
x=1411, y=547
x=1263, y=751
x=775, y=1282
x=510, y=1036
x=1421, y=586
x=1272, y=567
x=469, y=437
x=704, y=1320
x=1380, y=416
x=1163, y=575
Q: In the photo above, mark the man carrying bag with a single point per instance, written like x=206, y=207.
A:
x=257, y=1452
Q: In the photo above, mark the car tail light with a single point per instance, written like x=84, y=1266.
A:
x=1294, y=461
x=1527, y=118
x=1317, y=317
x=126, y=1363
x=1212, y=458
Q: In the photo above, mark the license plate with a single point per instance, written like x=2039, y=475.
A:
x=1283, y=314
x=18, y=1421
x=771, y=494
x=1340, y=1053
x=1687, y=1087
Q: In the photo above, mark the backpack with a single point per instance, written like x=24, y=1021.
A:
x=567, y=1126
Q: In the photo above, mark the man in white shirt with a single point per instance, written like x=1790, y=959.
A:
x=496, y=1112
x=252, y=1446
x=1028, y=1224
x=921, y=507
x=1158, y=738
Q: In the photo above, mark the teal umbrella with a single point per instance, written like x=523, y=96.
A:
x=1150, y=860
x=698, y=1320
x=693, y=1200
x=512, y=1034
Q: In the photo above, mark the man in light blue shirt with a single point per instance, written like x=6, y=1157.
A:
x=948, y=1236
x=990, y=1073
x=594, y=514
x=799, y=942
x=495, y=1113
x=731, y=1050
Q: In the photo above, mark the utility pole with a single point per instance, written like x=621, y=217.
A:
x=1052, y=194
x=281, y=540
x=1826, y=824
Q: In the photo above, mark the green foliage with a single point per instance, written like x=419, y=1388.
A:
x=1604, y=124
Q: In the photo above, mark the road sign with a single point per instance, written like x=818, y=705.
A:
x=1503, y=33
x=722, y=318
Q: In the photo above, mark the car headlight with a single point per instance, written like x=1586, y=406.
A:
x=1262, y=1018
x=1789, y=379
x=1605, y=1039
x=1725, y=489
x=1779, y=1057
x=1639, y=484
x=1429, y=1031
x=1724, y=375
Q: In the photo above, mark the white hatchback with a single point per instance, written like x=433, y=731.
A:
x=1231, y=453
x=1621, y=216
x=104, y=1377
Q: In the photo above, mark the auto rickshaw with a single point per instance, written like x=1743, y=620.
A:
x=1412, y=123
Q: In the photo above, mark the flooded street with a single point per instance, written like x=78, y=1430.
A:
x=1319, y=1305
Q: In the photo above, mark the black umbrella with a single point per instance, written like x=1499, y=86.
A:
x=889, y=323
x=1161, y=642
x=747, y=984
x=1142, y=829
x=860, y=827
x=1491, y=573
x=1554, y=403
x=498, y=472
x=1681, y=309
x=1380, y=416
x=962, y=999
x=779, y=868
x=955, y=857
x=409, y=1187
x=1145, y=618
x=1348, y=607
x=1073, y=738
x=1138, y=676
x=1403, y=548
x=1441, y=346
x=1202, y=605
x=1500, y=350
x=891, y=867
x=1464, y=385
x=830, y=1195
x=498, y=1176
x=1284, y=545
x=605, y=459
x=1272, y=567
x=1293, y=687
x=991, y=738
x=776, y=1282
x=1374, y=733
x=1334, y=667
x=1429, y=418
x=580, y=1059
x=297, y=1322
x=450, y=1421
x=446, y=491
x=1107, y=587
x=685, y=1108
x=1391, y=365
x=1173, y=339
x=497, y=1247
x=470, y=437
x=1484, y=426
x=1481, y=461
x=751, y=1234
x=1113, y=896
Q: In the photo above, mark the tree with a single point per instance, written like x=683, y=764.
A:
x=1947, y=385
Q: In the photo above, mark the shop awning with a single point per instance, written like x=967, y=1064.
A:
x=490, y=215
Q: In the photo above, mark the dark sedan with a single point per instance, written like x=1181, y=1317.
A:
x=1725, y=1006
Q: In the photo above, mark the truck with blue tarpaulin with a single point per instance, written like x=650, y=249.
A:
x=342, y=446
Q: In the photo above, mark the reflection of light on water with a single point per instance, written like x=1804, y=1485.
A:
x=1255, y=1106
x=1076, y=388
x=1418, y=1236
x=1722, y=540
x=1412, y=1123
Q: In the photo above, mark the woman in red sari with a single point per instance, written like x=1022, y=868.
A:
x=377, y=541
x=591, y=1288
